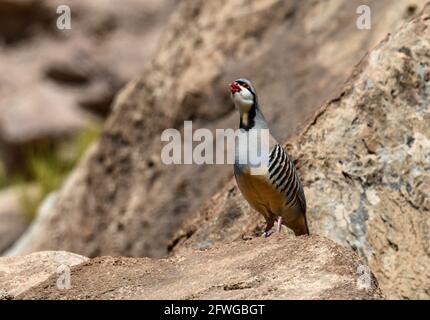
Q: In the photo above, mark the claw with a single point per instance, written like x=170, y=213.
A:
x=267, y=233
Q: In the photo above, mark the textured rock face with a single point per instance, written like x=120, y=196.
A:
x=19, y=274
x=121, y=199
x=275, y=268
x=365, y=164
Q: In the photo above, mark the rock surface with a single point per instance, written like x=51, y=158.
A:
x=365, y=164
x=124, y=200
x=12, y=222
x=42, y=217
x=12, y=216
x=19, y=274
x=274, y=268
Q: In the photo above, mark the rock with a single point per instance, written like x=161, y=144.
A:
x=364, y=162
x=274, y=268
x=128, y=201
x=24, y=120
x=12, y=215
x=42, y=217
x=19, y=274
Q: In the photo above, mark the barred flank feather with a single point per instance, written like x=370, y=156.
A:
x=283, y=176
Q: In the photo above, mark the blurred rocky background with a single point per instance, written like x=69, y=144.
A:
x=127, y=70
x=57, y=87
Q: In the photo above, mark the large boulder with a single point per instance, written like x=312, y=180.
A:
x=275, y=268
x=364, y=162
x=19, y=274
x=122, y=199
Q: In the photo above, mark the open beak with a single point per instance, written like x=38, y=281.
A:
x=234, y=87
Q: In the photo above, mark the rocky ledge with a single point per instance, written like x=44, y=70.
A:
x=278, y=267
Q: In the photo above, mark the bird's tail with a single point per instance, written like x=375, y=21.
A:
x=300, y=226
x=306, y=224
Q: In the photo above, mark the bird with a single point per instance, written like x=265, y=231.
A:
x=276, y=191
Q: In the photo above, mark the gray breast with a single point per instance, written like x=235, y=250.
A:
x=251, y=150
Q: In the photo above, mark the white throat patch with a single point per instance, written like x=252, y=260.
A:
x=243, y=100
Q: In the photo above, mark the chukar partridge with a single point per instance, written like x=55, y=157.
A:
x=276, y=192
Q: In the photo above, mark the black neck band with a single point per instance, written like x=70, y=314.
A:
x=251, y=118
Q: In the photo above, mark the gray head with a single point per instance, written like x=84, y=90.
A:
x=244, y=97
x=243, y=94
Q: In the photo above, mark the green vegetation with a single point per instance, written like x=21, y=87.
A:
x=3, y=179
x=47, y=166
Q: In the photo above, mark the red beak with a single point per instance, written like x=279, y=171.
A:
x=234, y=87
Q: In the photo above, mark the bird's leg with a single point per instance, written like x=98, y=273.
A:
x=279, y=224
x=268, y=230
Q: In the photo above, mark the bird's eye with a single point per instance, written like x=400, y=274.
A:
x=245, y=85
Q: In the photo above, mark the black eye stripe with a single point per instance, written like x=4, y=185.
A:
x=245, y=85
